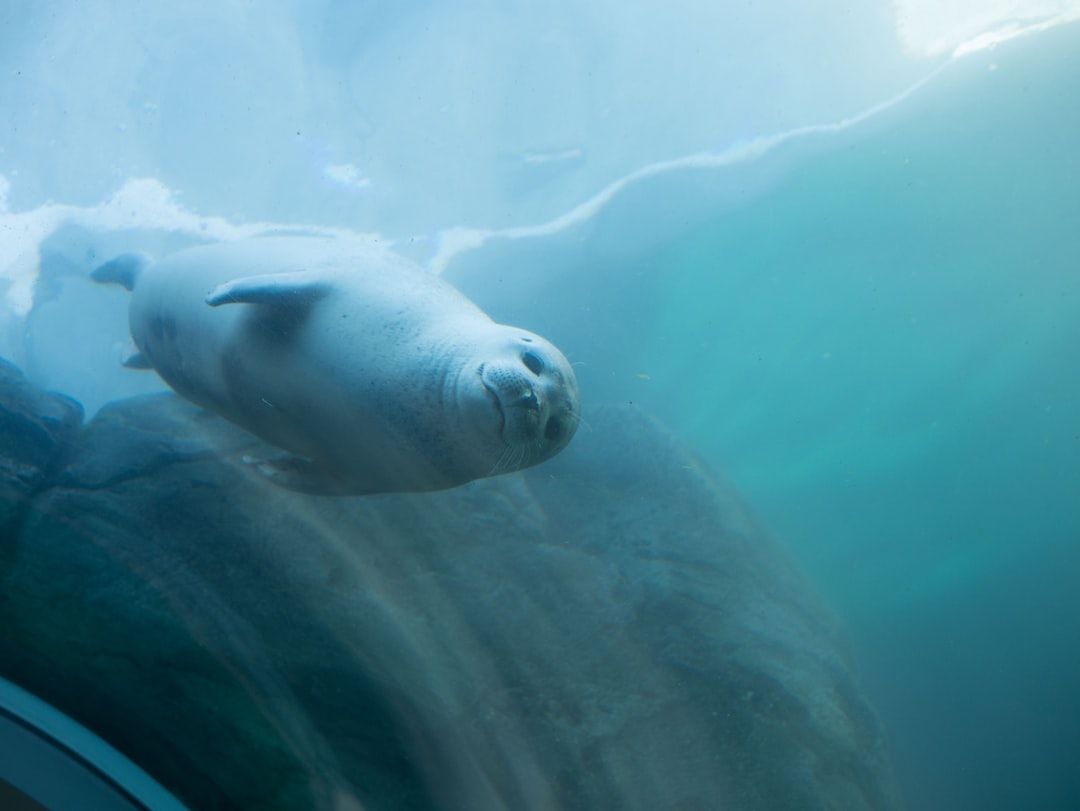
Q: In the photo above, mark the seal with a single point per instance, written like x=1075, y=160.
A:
x=371, y=374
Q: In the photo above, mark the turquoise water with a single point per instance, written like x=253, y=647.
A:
x=884, y=353
x=877, y=335
x=890, y=337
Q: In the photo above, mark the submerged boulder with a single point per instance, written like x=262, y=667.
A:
x=611, y=629
x=36, y=431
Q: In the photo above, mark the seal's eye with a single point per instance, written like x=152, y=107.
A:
x=532, y=363
x=553, y=430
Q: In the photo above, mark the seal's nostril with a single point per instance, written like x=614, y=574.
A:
x=530, y=401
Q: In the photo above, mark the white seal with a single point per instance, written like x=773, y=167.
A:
x=372, y=374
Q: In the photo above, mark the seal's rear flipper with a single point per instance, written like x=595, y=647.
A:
x=299, y=474
x=123, y=270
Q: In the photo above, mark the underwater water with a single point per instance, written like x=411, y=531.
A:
x=838, y=259
x=898, y=329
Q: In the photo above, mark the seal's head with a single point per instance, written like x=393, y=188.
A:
x=533, y=391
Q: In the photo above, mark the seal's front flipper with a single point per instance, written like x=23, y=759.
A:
x=288, y=289
x=299, y=474
x=134, y=359
x=123, y=270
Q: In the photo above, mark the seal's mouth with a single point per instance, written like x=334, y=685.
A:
x=495, y=399
x=518, y=402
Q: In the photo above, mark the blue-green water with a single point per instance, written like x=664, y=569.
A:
x=886, y=343
x=885, y=354
x=882, y=347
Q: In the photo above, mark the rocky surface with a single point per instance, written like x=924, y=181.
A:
x=35, y=432
x=611, y=630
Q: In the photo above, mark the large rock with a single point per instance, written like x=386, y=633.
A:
x=609, y=630
x=36, y=431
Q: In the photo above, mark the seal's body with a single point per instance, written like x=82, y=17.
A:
x=374, y=375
